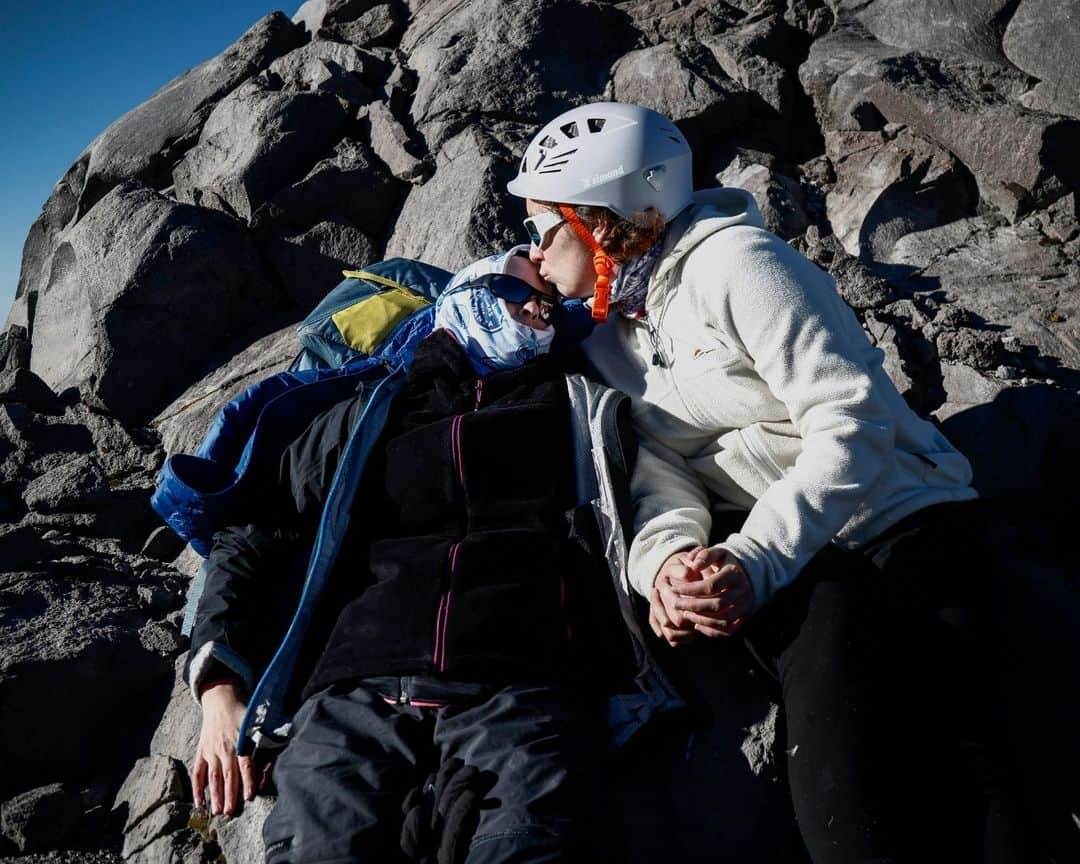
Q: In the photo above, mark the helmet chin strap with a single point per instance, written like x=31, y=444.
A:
x=603, y=264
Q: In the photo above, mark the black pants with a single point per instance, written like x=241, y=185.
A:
x=886, y=687
x=355, y=755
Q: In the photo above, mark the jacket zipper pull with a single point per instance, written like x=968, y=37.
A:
x=654, y=338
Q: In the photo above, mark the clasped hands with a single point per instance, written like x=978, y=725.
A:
x=701, y=590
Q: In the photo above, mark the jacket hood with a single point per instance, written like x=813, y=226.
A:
x=713, y=210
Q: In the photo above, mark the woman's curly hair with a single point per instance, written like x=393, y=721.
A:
x=627, y=238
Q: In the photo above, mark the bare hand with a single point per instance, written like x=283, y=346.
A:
x=665, y=619
x=718, y=599
x=217, y=766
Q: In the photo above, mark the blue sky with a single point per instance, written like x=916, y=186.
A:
x=68, y=69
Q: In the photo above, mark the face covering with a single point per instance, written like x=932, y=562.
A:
x=482, y=323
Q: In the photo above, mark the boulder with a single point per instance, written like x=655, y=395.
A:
x=1054, y=59
x=779, y=198
x=76, y=485
x=153, y=782
x=889, y=184
x=1009, y=276
x=56, y=214
x=158, y=823
x=177, y=735
x=254, y=143
x=758, y=55
x=350, y=186
x=468, y=191
x=240, y=837
x=1022, y=159
x=679, y=83
x=140, y=279
x=41, y=819
x=314, y=15
x=839, y=68
x=935, y=27
x=394, y=145
x=21, y=385
x=380, y=26
x=681, y=21
x=329, y=67
x=310, y=264
x=184, y=422
x=183, y=846
x=507, y=60
x=14, y=349
x=68, y=645
x=146, y=142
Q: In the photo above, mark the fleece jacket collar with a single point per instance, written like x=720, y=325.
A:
x=713, y=210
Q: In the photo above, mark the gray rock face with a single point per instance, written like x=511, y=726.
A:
x=840, y=67
x=779, y=198
x=379, y=26
x=329, y=67
x=145, y=142
x=133, y=283
x=1016, y=153
x=310, y=264
x=890, y=184
x=43, y=818
x=1054, y=59
x=1008, y=276
x=255, y=142
x=56, y=215
x=666, y=79
x=506, y=60
x=183, y=423
x=76, y=485
x=470, y=180
x=757, y=55
x=394, y=145
x=349, y=186
x=940, y=27
x=70, y=642
x=240, y=838
x=153, y=782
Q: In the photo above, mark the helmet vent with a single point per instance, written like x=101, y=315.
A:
x=525, y=164
x=549, y=142
x=673, y=138
x=570, y=130
x=596, y=124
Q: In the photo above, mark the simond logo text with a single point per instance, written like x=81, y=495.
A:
x=597, y=179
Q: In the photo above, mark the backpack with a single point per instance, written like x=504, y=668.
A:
x=368, y=325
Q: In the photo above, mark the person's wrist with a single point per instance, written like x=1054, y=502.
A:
x=220, y=689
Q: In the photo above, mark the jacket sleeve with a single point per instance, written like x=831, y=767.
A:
x=807, y=346
x=240, y=613
x=254, y=571
x=671, y=511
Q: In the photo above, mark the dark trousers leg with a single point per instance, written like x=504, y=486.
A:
x=342, y=778
x=870, y=699
x=541, y=749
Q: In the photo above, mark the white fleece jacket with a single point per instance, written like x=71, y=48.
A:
x=767, y=396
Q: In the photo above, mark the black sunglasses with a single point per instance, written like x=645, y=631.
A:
x=514, y=290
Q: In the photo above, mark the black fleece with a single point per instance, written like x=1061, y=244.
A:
x=465, y=532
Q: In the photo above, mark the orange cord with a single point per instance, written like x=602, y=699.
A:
x=603, y=264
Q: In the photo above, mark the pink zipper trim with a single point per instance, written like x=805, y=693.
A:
x=446, y=618
x=438, y=658
x=438, y=632
x=455, y=449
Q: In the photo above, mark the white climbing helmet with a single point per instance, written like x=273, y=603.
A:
x=608, y=154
